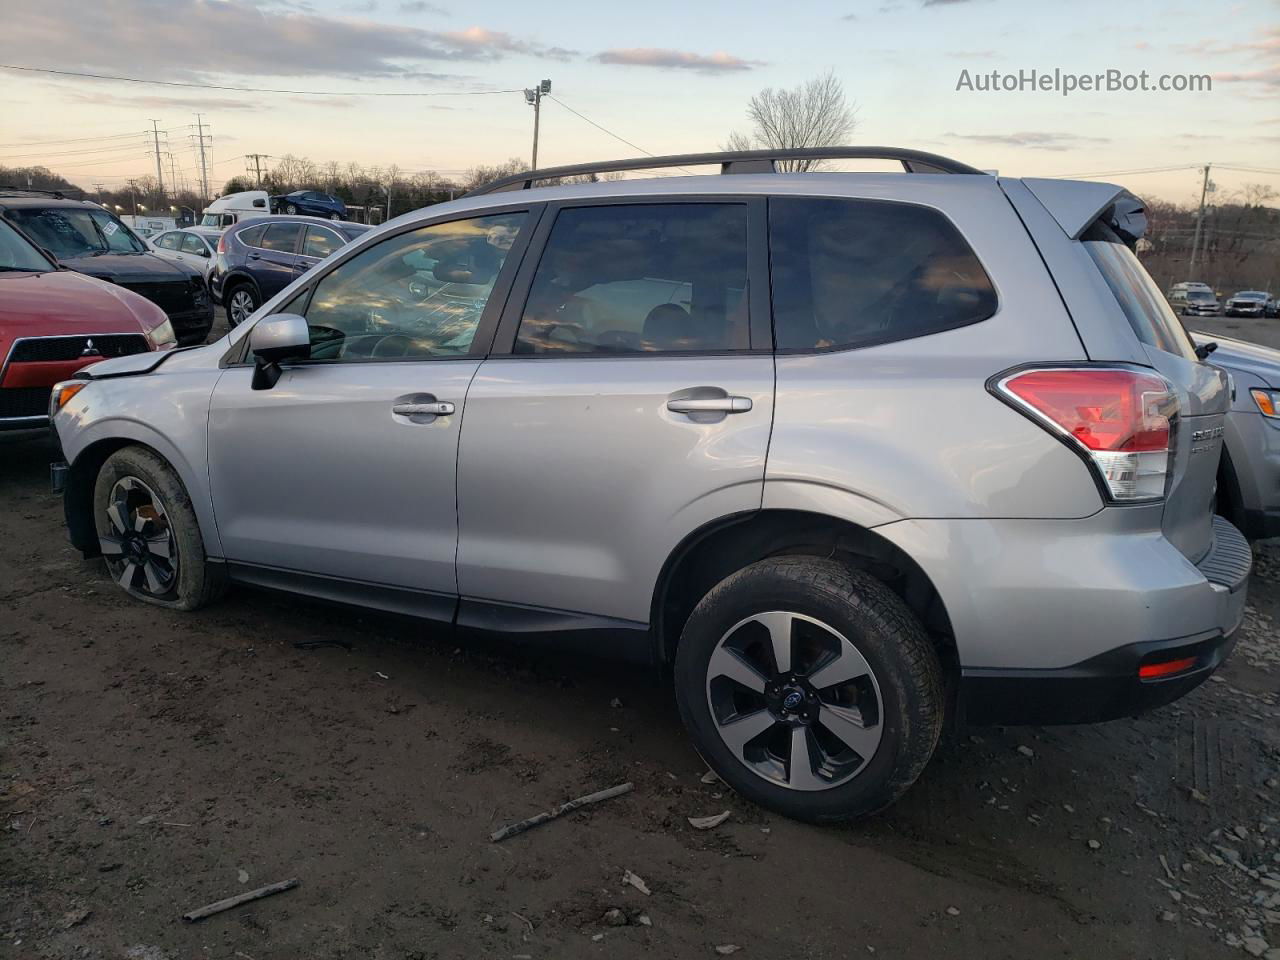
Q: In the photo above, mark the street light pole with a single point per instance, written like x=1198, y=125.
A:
x=533, y=97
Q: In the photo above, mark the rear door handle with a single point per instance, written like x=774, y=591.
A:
x=440, y=408
x=710, y=405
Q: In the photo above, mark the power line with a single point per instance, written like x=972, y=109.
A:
x=219, y=86
x=105, y=136
x=73, y=153
x=600, y=128
x=1223, y=166
x=1118, y=173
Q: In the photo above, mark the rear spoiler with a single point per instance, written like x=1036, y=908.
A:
x=1078, y=204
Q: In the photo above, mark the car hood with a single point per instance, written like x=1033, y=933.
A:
x=130, y=267
x=1262, y=362
x=62, y=302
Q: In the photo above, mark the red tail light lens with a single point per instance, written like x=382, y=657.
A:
x=222, y=243
x=1120, y=418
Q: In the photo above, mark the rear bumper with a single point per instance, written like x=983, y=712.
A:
x=1109, y=685
x=1105, y=687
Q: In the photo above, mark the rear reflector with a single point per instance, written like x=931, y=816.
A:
x=1119, y=418
x=1154, y=671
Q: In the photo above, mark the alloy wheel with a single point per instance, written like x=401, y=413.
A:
x=241, y=306
x=140, y=550
x=794, y=701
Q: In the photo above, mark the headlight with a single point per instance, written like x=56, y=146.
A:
x=62, y=392
x=1268, y=402
x=161, y=336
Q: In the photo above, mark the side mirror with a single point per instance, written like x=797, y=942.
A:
x=279, y=337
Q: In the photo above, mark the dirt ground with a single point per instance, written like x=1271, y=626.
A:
x=152, y=762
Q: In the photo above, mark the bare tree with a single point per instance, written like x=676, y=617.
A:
x=813, y=114
x=478, y=175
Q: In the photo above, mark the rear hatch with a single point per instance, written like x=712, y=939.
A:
x=1203, y=390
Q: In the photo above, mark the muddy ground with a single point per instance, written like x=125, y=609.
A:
x=151, y=762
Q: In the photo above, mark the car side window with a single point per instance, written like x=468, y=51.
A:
x=282, y=237
x=252, y=236
x=415, y=295
x=320, y=242
x=194, y=245
x=168, y=241
x=640, y=278
x=852, y=273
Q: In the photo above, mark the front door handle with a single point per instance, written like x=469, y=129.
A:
x=710, y=405
x=440, y=408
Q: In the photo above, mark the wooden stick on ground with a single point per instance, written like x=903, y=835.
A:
x=560, y=811
x=199, y=913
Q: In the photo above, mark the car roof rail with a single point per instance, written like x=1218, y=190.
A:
x=11, y=191
x=733, y=161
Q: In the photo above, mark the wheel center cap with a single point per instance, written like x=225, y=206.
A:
x=792, y=700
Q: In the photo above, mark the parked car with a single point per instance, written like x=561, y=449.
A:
x=310, y=203
x=1194, y=300
x=1248, y=303
x=833, y=447
x=256, y=259
x=231, y=208
x=54, y=322
x=1249, y=475
x=195, y=246
x=84, y=237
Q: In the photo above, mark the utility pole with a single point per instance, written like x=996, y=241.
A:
x=204, y=169
x=1195, y=244
x=533, y=97
x=133, y=195
x=155, y=131
x=257, y=159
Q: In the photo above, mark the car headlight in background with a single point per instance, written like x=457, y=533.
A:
x=1268, y=402
x=161, y=336
x=63, y=392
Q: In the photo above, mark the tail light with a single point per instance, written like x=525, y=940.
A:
x=1119, y=419
x=222, y=243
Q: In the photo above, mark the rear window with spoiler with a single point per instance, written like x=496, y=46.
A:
x=1144, y=306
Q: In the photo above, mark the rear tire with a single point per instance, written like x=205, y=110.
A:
x=149, y=535
x=291, y=209
x=242, y=301
x=840, y=730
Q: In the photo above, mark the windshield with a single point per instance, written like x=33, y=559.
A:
x=76, y=232
x=17, y=253
x=1251, y=295
x=1199, y=295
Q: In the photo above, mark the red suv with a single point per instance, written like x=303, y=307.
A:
x=55, y=321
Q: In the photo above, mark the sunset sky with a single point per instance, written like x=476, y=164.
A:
x=670, y=77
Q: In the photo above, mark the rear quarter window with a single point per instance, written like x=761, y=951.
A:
x=1147, y=311
x=853, y=273
x=252, y=236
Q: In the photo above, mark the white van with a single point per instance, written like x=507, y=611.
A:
x=231, y=208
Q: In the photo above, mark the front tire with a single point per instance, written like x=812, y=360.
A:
x=148, y=533
x=810, y=688
x=290, y=209
x=334, y=216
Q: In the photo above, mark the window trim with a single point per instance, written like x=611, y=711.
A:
x=759, y=322
x=481, y=343
x=888, y=337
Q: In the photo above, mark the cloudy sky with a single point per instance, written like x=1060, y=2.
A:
x=667, y=76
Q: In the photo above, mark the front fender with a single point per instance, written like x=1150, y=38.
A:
x=172, y=421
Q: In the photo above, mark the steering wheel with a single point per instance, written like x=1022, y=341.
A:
x=394, y=345
x=420, y=289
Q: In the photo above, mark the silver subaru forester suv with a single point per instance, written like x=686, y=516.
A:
x=848, y=452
